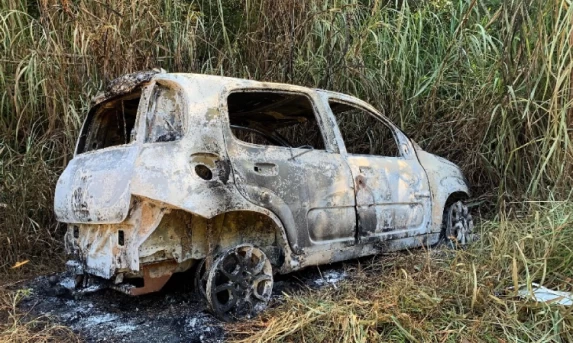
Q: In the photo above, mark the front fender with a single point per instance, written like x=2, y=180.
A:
x=445, y=179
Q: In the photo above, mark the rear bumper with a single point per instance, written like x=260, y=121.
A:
x=106, y=250
x=98, y=250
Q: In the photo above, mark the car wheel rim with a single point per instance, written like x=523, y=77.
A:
x=239, y=283
x=459, y=227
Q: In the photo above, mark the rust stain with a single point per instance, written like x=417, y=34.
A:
x=155, y=276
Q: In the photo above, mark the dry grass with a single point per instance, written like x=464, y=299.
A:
x=487, y=84
x=17, y=326
x=419, y=296
x=437, y=296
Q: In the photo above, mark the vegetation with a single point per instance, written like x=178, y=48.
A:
x=16, y=326
x=487, y=84
x=440, y=296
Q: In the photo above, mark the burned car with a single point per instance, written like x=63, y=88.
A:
x=241, y=180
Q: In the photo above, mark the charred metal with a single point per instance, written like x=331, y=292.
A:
x=244, y=179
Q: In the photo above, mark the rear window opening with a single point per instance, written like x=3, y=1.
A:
x=274, y=118
x=110, y=123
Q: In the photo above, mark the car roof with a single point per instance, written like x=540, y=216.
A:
x=128, y=82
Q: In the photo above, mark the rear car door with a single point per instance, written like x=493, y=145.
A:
x=391, y=187
x=281, y=161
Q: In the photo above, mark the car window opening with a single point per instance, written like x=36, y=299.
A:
x=273, y=118
x=165, y=118
x=363, y=133
x=110, y=124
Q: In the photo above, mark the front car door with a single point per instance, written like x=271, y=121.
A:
x=284, y=158
x=391, y=187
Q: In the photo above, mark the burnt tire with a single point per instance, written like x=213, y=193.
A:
x=239, y=284
x=201, y=279
x=458, y=226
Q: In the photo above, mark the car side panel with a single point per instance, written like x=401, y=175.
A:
x=311, y=188
x=392, y=193
x=392, y=197
x=445, y=178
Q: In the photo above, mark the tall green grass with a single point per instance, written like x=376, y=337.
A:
x=486, y=84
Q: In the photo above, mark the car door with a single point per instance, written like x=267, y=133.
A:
x=304, y=181
x=391, y=187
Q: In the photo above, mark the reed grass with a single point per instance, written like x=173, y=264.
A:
x=486, y=84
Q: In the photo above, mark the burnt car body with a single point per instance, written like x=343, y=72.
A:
x=244, y=179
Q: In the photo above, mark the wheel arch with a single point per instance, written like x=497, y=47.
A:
x=456, y=196
x=443, y=195
x=259, y=227
x=446, y=182
x=182, y=235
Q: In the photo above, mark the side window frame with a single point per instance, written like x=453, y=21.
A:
x=143, y=116
x=314, y=99
x=144, y=103
x=402, y=141
x=376, y=117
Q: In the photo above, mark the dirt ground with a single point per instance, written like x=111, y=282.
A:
x=176, y=314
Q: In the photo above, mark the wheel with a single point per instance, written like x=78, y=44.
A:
x=201, y=279
x=239, y=283
x=458, y=225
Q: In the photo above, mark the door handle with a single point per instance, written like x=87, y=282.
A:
x=267, y=169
